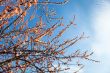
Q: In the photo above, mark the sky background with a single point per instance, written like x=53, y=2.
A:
x=93, y=18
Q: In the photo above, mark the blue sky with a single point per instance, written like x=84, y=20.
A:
x=92, y=17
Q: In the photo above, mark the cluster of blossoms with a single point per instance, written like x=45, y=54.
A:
x=28, y=42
